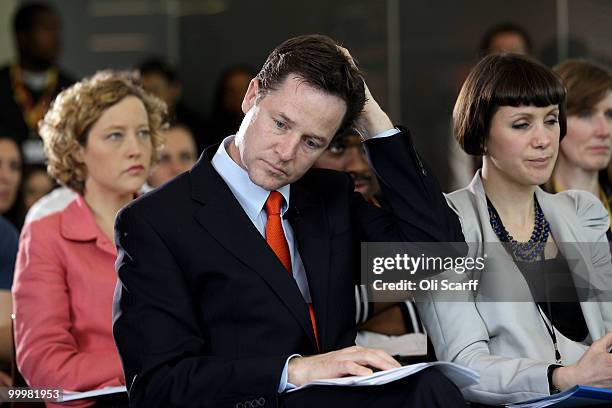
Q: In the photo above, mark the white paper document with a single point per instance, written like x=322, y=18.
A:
x=461, y=376
x=71, y=395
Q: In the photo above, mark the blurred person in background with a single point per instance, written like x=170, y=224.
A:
x=162, y=81
x=346, y=153
x=503, y=37
x=586, y=149
x=36, y=184
x=226, y=114
x=177, y=154
x=10, y=207
x=101, y=136
x=11, y=171
x=9, y=240
x=506, y=37
x=28, y=85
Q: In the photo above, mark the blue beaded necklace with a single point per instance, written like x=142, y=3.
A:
x=528, y=252
x=522, y=251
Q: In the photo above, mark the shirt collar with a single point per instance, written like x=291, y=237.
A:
x=77, y=223
x=251, y=197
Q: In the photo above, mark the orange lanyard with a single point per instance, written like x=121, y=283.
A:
x=32, y=113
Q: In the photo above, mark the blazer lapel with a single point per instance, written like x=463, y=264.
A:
x=309, y=221
x=501, y=272
x=223, y=217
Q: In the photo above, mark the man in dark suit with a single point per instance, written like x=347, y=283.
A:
x=236, y=278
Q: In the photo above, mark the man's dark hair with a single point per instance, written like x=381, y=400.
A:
x=157, y=66
x=23, y=21
x=318, y=62
x=503, y=28
x=503, y=80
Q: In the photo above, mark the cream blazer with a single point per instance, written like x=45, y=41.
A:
x=507, y=342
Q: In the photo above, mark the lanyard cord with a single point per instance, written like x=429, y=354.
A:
x=551, y=329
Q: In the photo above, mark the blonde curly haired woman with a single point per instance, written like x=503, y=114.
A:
x=101, y=136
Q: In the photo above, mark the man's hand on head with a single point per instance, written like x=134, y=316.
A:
x=349, y=361
x=372, y=120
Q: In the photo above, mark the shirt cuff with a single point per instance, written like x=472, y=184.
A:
x=284, y=384
x=387, y=133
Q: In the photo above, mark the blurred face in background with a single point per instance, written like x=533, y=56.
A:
x=10, y=173
x=160, y=86
x=42, y=43
x=234, y=88
x=118, y=150
x=508, y=41
x=36, y=185
x=588, y=142
x=347, y=154
x=177, y=155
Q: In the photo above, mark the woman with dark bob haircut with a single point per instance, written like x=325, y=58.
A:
x=101, y=136
x=527, y=333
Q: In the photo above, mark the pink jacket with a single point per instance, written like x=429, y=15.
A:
x=63, y=294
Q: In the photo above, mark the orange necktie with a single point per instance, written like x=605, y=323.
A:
x=275, y=237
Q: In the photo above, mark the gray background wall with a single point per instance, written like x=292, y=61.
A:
x=415, y=53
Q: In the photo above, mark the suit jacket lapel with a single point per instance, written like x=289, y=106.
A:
x=310, y=229
x=223, y=217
